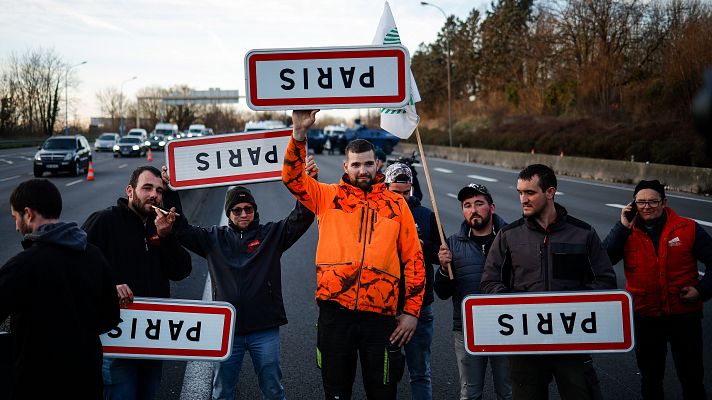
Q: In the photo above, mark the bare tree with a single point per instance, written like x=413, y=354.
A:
x=111, y=104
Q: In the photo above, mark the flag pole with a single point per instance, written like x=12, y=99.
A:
x=432, y=195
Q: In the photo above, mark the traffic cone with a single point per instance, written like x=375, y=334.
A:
x=150, y=155
x=90, y=172
x=561, y=154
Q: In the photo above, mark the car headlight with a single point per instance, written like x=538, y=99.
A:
x=161, y=143
x=147, y=143
x=37, y=157
x=68, y=157
x=116, y=147
x=169, y=138
x=135, y=147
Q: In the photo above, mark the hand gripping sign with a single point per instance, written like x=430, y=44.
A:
x=554, y=322
x=172, y=330
x=324, y=78
x=227, y=159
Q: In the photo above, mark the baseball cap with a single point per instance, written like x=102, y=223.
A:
x=474, y=189
x=398, y=173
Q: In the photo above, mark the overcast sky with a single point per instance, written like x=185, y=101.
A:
x=198, y=43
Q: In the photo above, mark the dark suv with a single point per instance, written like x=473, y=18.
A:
x=63, y=154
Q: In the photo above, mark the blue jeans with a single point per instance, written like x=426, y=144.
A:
x=472, y=372
x=126, y=379
x=264, y=350
x=417, y=356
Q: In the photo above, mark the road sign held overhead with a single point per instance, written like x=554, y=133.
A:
x=330, y=77
x=227, y=159
x=555, y=322
x=172, y=330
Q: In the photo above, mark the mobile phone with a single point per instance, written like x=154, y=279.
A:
x=629, y=215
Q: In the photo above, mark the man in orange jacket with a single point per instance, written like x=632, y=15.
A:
x=365, y=233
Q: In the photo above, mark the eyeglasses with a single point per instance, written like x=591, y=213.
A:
x=649, y=203
x=237, y=211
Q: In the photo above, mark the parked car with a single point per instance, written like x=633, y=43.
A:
x=130, y=147
x=157, y=141
x=106, y=141
x=316, y=140
x=63, y=154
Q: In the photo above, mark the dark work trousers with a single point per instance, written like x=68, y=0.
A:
x=684, y=333
x=574, y=374
x=344, y=335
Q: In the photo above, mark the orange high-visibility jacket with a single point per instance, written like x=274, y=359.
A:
x=363, y=239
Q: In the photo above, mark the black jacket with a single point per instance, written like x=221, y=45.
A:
x=137, y=256
x=468, y=263
x=245, y=266
x=60, y=296
x=568, y=255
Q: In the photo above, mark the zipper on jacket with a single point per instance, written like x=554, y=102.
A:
x=360, y=226
x=363, y=254
x=373, y=224
x=544, y=259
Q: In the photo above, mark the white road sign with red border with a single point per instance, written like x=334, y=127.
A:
x=222, y=160
x=537, y=323
x=172, y=330
x=330, y=77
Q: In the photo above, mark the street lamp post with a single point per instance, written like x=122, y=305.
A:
x=449, y=93
x=121, y=106
x=66, y=109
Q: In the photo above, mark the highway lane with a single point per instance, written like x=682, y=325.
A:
x=584, y=199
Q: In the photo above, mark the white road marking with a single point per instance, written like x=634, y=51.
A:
x=559, y=193
x=6, y=161
x=123, y=166
x=482, y=178
x=74, y=182
x=699, y=221
x=454, y=196
x=26, y=158
x=9, y=178
x=443, y=170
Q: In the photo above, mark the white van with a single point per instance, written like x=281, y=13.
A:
x=139, y=133
x=170, y=131
x=197, y=130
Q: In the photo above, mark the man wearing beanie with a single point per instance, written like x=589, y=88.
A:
x=245, y=270
x=660, y=250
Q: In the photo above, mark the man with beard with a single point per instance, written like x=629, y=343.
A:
x=365, y=233
x=399, y=179
x=60, y=296
x=547, y=250
x=144, y=256
x=466, y=252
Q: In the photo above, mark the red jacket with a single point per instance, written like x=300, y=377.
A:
x=655, y=281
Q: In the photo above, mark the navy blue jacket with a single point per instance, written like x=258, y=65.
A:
x=245, y=267
x=468, y=262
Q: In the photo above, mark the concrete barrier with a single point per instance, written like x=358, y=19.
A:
x=685, y=179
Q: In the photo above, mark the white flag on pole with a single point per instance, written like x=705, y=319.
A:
x=398, y=121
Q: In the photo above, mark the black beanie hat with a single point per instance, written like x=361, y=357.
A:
x=238, y=194
x=654, y=184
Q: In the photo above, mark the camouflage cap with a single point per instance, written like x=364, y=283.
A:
x=398, y=173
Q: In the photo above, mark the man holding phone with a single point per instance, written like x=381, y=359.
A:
x=660, y=250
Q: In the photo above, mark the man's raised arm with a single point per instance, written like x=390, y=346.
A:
x=305, y=188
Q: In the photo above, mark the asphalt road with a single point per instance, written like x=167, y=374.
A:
x=593, y=202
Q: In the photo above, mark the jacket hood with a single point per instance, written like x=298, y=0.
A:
x=497, y=224
x=66, y=234
x=413, y=202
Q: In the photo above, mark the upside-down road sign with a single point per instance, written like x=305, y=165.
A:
x=554, y=322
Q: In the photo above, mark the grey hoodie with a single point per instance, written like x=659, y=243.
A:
x=67, y=234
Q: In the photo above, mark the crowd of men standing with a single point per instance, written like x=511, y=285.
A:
x=379, y=264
